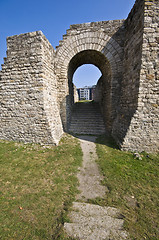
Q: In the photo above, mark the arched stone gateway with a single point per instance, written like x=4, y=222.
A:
x=94, y=47
x=106, y=96
x=36, y=90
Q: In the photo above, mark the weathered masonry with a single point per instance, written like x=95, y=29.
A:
x=36, y=90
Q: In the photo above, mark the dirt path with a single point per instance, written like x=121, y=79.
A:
x=89, y=221
x=89, y=176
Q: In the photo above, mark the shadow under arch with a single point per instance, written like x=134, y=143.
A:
x=104, y=86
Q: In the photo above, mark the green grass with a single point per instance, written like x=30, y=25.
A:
x=133, y=188
x=37, y=187
x=81, y=101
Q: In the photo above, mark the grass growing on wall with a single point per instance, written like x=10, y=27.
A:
x=133, y=186
x=37, y=187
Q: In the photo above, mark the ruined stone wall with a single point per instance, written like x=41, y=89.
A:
x=36, y=90
x=24, y=99
x=50, y=91
x=108, y=95
x=131, y=71
x=137, y=125
x=105, y=39
x=75, y=94
x=148, y=107
x=98, y=90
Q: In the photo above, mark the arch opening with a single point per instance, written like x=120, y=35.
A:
x=86, y=75
x=103, y=90
x=84, y=82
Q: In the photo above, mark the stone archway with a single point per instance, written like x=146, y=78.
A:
x=35, y=80
x=94, y=47
x=104, y=83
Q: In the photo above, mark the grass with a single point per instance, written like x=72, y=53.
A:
x=133, y=188
x=37, y=187
x=82, y=101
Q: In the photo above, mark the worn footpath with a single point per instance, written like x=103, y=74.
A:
x=90, y=221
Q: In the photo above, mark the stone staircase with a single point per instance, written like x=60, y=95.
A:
x=87, y=119
x=93, y=222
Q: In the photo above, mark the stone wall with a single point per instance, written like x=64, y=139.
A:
x=76, y=96
x=24, y=97
x=131, y=71
x=51, y=108
x=137, y=125
x=98, y=43
x=37, y=93
x=98, y=90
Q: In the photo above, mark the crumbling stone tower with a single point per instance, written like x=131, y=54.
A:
x=36, y=90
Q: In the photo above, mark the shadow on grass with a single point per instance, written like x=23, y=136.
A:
x=108, y=141
x=105, y=139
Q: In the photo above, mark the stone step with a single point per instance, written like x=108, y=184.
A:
x=87, y=119
x=87, y=132
x=85, y=109
x=93, y=222
x=88, y=115
x=86, y=128
x=87, y=123
x=80, y=128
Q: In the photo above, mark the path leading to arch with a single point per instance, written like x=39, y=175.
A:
x=90, y=221
x=89, y=176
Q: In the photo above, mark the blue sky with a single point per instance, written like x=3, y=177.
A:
x=53, y=18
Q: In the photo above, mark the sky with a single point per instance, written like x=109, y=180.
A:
x=53, y=18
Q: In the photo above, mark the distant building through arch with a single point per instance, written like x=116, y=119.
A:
x=86, y=93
